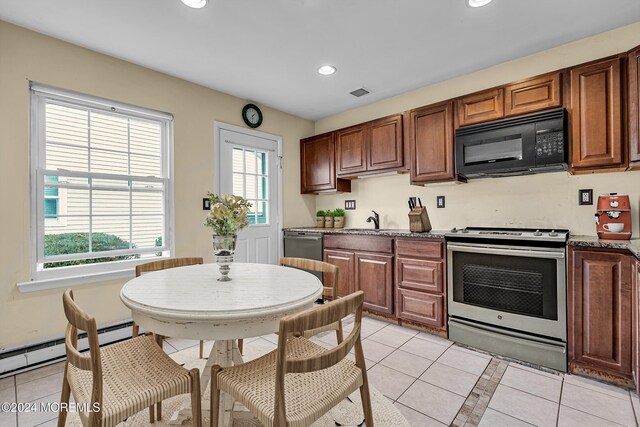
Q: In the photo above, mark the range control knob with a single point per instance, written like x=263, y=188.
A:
x=454, y=230
x=537, y=233
x=553, y=233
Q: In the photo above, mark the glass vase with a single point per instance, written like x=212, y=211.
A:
x=224, y=247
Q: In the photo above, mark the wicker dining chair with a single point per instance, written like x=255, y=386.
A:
x=121, y=379
x=331, y=291
x=163, y=265
x=300, y=381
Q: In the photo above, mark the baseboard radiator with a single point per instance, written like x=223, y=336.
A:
x=26, y=357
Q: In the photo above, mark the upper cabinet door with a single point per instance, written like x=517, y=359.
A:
x=431, y=143
x=533, y=94
x=481, y=107
x=386, y=144
x=596, y=114
x=634, y=106
x=351, y=147
x=317, y=163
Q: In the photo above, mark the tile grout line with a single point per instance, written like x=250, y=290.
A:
x=15, y=394
x=430, y=417
x=633, y=407
x=535, y=395
x=418, y=379
x=560, y=402
x=514, y=417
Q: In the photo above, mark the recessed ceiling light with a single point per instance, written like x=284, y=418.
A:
x=196, y=4
x=327, y=70
x=476, y=3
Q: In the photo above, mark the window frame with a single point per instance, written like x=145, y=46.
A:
x=62, y=276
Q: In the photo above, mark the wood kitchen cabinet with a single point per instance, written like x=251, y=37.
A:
x=599, y=311
x=596, y=115
x=480, y=107
x=431, y=143
x=420, y=284
x=634, y=107
x=351, y=150
x=635, y=326
x=374, y=276
x=318, y=166
x=372, y=147
x=386, y=145
x=345, y=261
x=523, y=97
x=533, y=94
x=365, y=263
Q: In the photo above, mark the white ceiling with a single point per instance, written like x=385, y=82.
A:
x=268, y=51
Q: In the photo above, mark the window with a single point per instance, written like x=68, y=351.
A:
x=100, y=184
x=251, y=181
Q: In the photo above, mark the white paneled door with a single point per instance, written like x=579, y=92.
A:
x=248, y=162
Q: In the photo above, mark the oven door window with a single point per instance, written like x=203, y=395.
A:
x=520, y=285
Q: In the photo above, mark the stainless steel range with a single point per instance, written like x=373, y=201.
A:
x=507, y=292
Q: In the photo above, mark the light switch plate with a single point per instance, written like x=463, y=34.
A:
x=585, y=197
x=206, y=204
x=349, y=205
x=440, y=202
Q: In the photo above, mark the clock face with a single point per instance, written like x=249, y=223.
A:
x=252, y=115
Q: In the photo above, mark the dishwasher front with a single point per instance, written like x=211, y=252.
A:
x=302, y=244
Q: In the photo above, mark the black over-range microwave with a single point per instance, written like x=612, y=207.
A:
x=522, y=145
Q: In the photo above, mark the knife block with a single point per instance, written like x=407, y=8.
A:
x=419, y=220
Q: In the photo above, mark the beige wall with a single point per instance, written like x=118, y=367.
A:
x=26, y=55
x=546, y=200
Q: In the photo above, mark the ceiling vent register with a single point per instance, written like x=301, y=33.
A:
x=360, y=92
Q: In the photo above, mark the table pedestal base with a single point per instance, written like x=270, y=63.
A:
x=224, y=353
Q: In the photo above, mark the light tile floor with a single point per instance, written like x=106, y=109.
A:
x=428, y=378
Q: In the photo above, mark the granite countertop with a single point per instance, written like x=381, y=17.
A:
x=632, y=245
x=433, y=234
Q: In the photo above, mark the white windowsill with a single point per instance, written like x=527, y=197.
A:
x=63, y=282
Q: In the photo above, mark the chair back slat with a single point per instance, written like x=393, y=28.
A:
x=77, y=359
x=330, y=288
x=80, y=320
x=167, y=263
x=327, y=359
x=315, y=318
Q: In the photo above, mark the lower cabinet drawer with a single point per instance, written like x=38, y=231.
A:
x=420, y=307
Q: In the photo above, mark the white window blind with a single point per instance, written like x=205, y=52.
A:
x=101, y=181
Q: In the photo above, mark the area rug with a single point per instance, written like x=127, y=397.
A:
x=348, y=413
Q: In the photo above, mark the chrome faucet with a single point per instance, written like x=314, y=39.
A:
x=376, y=220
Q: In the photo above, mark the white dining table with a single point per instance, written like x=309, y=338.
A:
x=189, y=302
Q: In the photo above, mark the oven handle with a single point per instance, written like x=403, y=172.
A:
x=506, y=250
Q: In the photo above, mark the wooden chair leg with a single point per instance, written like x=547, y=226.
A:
x=152, y=414
x=241, y=346
x=201, y=348
x=215, y=395
x=135, y=329
x=196, y=417
x=339, y=334
x=366, y=403
x=159, y=410
x=64, y=399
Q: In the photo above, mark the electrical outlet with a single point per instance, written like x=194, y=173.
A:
x=349, y=205
x=440, y=202
x=585, y=197
x=206, y=204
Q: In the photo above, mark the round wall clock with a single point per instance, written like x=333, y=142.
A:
x=252, y=115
